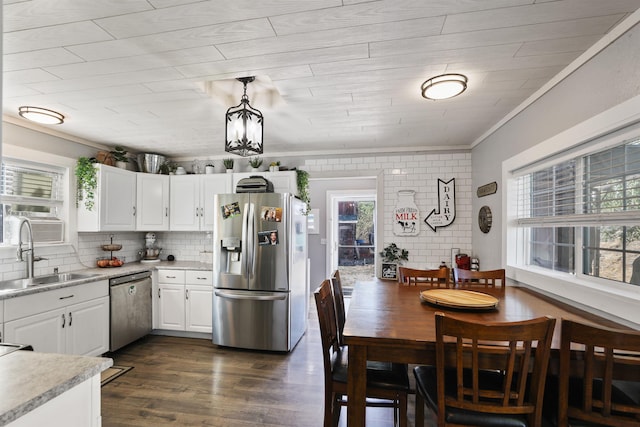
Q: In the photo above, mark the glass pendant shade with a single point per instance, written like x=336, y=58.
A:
x=444, y=86
x=41, y=115
x=244, y=127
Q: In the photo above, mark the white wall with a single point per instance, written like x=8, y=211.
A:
x=606, y=80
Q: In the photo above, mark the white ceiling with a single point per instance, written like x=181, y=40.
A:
x=348, y=72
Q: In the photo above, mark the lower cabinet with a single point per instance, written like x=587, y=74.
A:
x=185, y=300
x=78, y=407
x=76, y=320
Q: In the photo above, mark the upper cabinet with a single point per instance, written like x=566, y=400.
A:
x=283, y=182
x=114, y=204
x=191, y=200
x=152, y=207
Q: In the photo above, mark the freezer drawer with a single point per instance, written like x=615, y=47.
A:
x=251, y=319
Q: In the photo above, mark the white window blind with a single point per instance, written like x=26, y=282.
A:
x=29, y=189
x=597, y=189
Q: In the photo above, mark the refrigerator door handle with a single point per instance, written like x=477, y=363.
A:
x=245, y=243
x=253, y=297
x=251, y=262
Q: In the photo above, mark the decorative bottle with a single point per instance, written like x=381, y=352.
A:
x=406, y=214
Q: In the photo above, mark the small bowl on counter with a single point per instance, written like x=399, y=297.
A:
x=106, y=262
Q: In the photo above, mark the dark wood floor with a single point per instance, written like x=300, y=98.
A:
x=191, y=382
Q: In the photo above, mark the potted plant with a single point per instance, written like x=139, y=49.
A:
x=120, y=156
x=228, y=164
x=302, y=181
x=87, y=181
x=208, y=169
x=168, y=167
x=274, y=167
x=255, y=163
x=392, y=256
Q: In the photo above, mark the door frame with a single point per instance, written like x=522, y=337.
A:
x=333, y=196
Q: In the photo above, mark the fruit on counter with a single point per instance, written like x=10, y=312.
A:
x=115, y=262
x=112, y=262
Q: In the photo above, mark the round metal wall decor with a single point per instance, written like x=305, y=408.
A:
x=485, y=219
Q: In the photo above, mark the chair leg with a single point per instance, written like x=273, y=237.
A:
x=329, y=408
x=419, y=410
x=336, y=408
x=403, y=410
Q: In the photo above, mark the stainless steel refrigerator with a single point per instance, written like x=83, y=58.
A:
x=260, y=297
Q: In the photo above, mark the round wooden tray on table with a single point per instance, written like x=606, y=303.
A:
x=459, y=299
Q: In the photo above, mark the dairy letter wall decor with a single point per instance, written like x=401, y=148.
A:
x=446, y=212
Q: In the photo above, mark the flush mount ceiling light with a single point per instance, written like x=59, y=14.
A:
x=41, y=115
x=244, y=126
x=444, y=86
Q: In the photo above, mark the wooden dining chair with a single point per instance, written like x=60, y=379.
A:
x=486, y=374
x=388, y=383
x=338, y=297
x=486, y=279
x=591, y=393
x=435, y=278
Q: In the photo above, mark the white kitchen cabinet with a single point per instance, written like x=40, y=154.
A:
x=79, y=406
x=185, y=300
x=171, y=307
x=199, y=301
x=191, y=200
x=283, y=182
x=152, y=202
x=71, y=320
x=46, y=332
x=114, y=202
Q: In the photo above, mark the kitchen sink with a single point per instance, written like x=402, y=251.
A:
x=6, y=285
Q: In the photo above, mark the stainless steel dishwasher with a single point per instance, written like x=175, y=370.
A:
x=130, y=312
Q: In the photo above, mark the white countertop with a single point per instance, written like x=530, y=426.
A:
x=107, y=273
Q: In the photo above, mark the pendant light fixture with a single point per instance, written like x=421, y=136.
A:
x=444, y=86
x=244, y=126
x=41, y=115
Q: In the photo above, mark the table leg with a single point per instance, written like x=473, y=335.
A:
x=357, y=386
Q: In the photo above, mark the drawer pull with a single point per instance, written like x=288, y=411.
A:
x=67, y=297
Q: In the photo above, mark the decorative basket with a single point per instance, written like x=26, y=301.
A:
x=111, y=247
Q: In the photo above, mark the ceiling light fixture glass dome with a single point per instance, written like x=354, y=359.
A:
x=444, y=86
x=41, y=115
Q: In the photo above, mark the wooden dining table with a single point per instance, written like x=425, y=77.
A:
x=388, y=321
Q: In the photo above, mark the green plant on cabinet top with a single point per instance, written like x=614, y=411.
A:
x=120, y=154
x=228, y=163
x=302, y=181
x=86, y=178
x=255, y=162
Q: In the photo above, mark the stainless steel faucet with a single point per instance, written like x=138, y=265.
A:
x=31, y=258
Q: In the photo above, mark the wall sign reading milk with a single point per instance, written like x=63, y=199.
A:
x=406, y=215
x=446, y=212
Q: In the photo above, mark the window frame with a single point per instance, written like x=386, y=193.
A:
x=605, y=130
x=67, y=210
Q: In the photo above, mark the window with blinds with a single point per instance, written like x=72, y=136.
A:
x=29, y=190
x=583, y=214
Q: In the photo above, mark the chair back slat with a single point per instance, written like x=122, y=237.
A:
x=594, y=373
x=338, y=296
x=435, y=278
x=508, y=348
x=485, y=279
